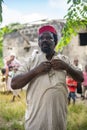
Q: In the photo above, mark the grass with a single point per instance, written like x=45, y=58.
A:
x=12, y=114
x=77, y=117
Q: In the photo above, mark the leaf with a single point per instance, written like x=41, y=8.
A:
x=0, y=18
x=1, y=10
x=68, y=1
x=76, y=1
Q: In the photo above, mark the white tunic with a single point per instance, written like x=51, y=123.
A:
x=46, y=97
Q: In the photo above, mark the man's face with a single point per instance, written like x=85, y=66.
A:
x=46, y=42
x=76, y=62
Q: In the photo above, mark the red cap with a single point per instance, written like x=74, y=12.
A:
x=48, y=28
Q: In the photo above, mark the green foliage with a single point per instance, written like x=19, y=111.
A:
x=17, y=126
x=1, y=62
x=76, y=19
x=1, y=10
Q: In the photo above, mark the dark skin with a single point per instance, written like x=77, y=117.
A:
x=47, y=45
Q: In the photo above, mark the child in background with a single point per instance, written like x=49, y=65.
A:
x=3, y=72
x=72, y=84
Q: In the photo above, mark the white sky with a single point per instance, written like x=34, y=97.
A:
x=25, y=11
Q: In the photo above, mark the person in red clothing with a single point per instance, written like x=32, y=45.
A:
x=71, y=84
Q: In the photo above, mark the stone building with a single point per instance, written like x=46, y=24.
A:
x=75, y=50
x=24, y=41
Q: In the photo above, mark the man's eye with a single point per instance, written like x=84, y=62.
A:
x=41, y=38
x=47, y=38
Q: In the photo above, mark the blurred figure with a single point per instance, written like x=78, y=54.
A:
x=3, y=80
x=85, y=83
x=79, y=84
x=76, y=63
x=72, y=85
x=10, y=75
x=14, y=61
x=17, y=91
x=10, y=63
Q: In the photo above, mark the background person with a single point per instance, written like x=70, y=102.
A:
x=72, y=85
x=14, y=61
x=85, y=83
x=2, y=79
x=79, y=84
x=10, y=63
x=17, y=91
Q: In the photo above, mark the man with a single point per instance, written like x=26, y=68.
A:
x=76, y=62
x=79, y=84
x=46, y=77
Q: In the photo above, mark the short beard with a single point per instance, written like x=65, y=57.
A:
x=46, y=49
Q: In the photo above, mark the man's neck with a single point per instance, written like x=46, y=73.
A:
x=50, y=55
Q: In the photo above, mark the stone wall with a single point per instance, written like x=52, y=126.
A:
x=74, y=50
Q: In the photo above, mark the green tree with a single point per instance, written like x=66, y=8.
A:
x=76, y=18
x=1, y=10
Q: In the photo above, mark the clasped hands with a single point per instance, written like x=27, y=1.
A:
x=55, y=64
